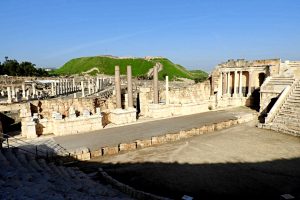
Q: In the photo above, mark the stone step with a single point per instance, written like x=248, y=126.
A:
x=289, y=109
x=23, y=160
x=63, y=171
x=284, y=121
x=294, y=96
x=36, y=165
x=296, y=91
x=10, y=156
x=44, y=165
x=54, y=168
x=296, y=101
x=3, y=159
x=293, y=105
x=284, y=129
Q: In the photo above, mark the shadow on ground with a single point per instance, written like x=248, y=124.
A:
x=262, y=180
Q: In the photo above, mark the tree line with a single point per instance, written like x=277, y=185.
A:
x=12, y=67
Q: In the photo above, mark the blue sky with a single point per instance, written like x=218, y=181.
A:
x=195, y=34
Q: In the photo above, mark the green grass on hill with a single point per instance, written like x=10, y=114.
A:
x=140, y=67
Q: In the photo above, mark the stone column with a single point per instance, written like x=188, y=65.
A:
x=155, y=85
x=57, y=88
x=33, y=90
x=23, y=91
x=61, y=87
x=74, y=85
x=167, y=90
x=101, y=83
x=67, y=86
x=221, y=85
x=228, y=88
x=89, y=86
x=235, y=87
x=9, y=100
x=241, y=83
x=13, y=92
x=249, y=83
x=28, y=95
x=93, y=85
x=97, y=84
x=129, y=87
x=118, y=86
x=82, y=89
x=52, y=88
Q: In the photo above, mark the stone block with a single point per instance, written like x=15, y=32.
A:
x=234, y=122
x=158, y=140
x=191, y=132
x=84, y=156
x=210, y=128
x=220, y=126
x=96, y=153
x=143, y=143
x=110, y=150
x=172, y=137
x=31, y=130
x=127, y=146
x=227, y=124
x=119, y=116
x=183, y=135
x=203, y=129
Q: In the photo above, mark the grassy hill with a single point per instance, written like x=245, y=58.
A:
x=140, y=67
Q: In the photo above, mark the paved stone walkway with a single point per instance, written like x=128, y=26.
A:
x=129, y=133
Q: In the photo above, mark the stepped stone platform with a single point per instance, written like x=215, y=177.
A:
x=25, y=177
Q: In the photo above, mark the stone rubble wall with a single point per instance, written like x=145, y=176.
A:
x=61, y=105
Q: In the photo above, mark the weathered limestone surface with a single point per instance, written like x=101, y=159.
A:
x=77, y=125
x=110, y=150
x=120, y=116
x=144, y=143
x=127, y=146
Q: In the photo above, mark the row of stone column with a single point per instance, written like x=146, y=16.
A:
x=237, y=86
x=94, y=85
x=15, y=94
x=63, y=86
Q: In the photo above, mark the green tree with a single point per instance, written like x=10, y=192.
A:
x=10, y=67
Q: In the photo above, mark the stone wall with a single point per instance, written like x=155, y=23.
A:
x=62, y=105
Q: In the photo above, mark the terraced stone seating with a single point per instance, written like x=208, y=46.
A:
x=288, y=117
x=24, y=177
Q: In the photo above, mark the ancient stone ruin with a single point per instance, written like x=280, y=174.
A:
x=49, y=106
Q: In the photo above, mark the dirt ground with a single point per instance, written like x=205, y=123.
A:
x=241, y=162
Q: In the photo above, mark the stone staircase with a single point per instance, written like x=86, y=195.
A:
x=25, y=177
x=277, y=84
x=287, y=119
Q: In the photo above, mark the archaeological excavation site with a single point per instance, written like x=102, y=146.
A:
x=124, y=137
